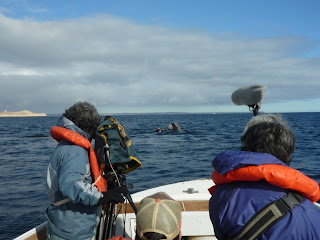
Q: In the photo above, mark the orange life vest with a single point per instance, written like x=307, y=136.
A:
x=119, y=238
x=278, y=175
x=59, y=133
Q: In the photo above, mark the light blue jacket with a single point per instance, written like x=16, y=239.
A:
x=69, y=176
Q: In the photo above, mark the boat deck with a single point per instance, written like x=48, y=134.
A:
x=193, y=197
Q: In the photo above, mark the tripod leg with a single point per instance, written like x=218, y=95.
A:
x=101, y=226
x=110, y=219
x=134, y=207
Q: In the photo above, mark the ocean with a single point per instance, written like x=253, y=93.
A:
x=167, y=157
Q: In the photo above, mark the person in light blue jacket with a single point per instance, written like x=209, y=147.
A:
x=75, y=207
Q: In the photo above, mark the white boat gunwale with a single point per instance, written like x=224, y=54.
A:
x=201, y=195
x=193, y=196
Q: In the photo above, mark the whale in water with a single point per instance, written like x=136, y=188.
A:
x=174, y=127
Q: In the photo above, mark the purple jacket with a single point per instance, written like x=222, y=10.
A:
x=233, y=204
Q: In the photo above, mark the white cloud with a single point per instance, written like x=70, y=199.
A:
x=4, y=10
x=18, y=6
x=118, y=64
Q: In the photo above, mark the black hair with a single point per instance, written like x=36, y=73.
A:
x=84, y=115
x=154, y=236
x=275, y=138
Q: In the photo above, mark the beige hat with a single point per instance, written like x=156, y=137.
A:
x=159, y=213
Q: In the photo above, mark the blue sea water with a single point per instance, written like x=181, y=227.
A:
x=25, y=147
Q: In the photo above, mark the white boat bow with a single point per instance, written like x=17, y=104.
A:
x=193, y=196
x=194, y=199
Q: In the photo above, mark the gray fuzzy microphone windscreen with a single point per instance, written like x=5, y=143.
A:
x=250, y=95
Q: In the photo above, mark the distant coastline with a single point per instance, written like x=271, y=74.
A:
x=24, y=113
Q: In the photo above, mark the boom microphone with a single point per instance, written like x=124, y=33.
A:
x=251, y=96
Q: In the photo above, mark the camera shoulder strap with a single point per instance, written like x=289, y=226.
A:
x=268, y=216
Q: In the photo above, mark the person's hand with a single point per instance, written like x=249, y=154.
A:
x=114, y=195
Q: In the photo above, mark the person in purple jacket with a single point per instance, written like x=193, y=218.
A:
x=257, y=195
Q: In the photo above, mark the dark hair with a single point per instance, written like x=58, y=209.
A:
x=84, y=115
x=154, y=236
x=274, y=137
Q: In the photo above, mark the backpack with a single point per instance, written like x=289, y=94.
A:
x=113, y=146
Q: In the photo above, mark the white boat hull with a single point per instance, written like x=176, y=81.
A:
x=196, y=222
x=194, y=199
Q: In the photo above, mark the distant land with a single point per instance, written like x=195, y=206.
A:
x=24, y=113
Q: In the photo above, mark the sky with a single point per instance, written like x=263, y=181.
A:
x=145, y=56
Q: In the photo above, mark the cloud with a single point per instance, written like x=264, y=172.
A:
x=119, y=65
x=4, y=10
x=21, y=6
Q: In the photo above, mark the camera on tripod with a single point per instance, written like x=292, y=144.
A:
x=116, y=176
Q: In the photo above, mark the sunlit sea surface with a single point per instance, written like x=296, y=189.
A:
x=167, y=157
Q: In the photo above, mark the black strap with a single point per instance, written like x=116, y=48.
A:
x=268, y=216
